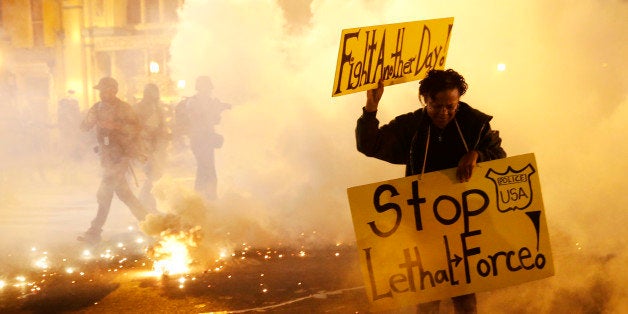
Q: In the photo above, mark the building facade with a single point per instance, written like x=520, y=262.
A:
x=48, y=47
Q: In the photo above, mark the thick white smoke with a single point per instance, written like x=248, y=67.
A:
x=289, y=151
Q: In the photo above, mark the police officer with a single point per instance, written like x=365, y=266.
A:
x=117, y=131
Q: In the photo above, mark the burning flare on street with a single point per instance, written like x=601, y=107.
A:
x=172, y=252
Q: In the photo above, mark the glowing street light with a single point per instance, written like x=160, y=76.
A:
x=501, y=67
x=153, y=67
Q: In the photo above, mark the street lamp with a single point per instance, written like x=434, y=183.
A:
x=153, y=67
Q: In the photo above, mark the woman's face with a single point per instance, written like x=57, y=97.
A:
x=442, y=108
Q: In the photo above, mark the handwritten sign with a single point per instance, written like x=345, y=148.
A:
x=396, y=53
x=435, y=238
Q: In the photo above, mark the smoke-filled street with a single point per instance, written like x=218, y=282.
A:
x=117, y=277
x=45, y=270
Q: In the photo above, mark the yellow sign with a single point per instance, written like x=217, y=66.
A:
x=394, y=53
x=434, y=238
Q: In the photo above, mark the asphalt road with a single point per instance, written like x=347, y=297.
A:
x=279, y=281
x=43, y=269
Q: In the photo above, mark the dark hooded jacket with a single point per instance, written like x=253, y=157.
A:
x=405, y=139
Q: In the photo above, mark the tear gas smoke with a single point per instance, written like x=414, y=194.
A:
x=289, y=152
x=289, y=147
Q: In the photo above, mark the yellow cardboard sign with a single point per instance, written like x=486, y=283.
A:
x=434, y=238
x=395, y=53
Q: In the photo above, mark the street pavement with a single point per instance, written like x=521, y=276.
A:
x=43, y=269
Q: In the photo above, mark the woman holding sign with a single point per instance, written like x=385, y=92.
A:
x=445, y=133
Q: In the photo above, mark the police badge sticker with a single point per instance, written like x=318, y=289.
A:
x=513, y=188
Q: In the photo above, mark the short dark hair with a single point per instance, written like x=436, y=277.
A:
x=437, y=81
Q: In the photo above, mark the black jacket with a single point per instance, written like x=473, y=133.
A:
x=404, y=140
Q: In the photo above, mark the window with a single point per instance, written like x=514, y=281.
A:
x=133, y=12
x=1, y=23
x=37, y=18
x=151, y=11
x=170, y=10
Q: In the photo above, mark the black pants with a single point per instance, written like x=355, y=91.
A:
x=463, y=304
